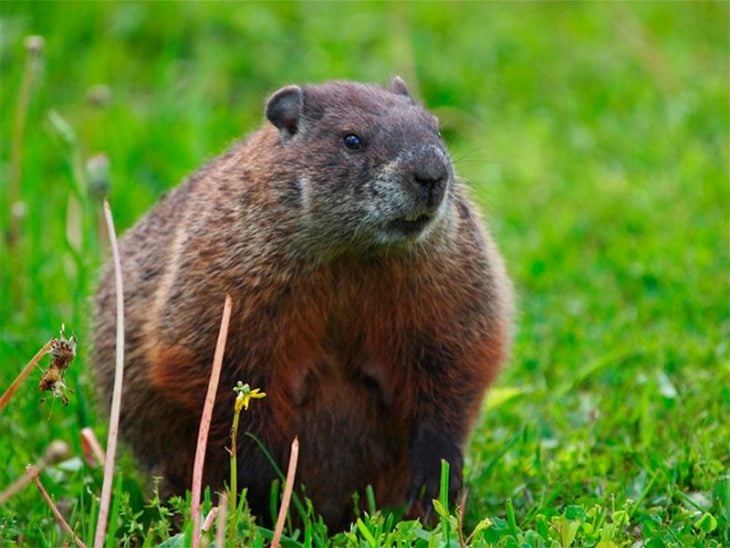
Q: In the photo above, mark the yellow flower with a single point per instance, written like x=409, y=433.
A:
x=245, y=395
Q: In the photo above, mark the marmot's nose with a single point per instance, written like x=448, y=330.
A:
x=430, y=174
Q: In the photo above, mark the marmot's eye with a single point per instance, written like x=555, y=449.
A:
x=353, y=142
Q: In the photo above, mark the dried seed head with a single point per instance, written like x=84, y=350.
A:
x=34, y=44
x=97, y=168
x=19, y=209
x=57, y=451
x=99, y=95
x=63, y=351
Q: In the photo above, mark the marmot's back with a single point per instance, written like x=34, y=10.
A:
x=368, y=303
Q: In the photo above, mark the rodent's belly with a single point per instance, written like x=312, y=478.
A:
x=349, y=439
x=342, y=416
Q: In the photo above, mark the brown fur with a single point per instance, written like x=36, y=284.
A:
x=374, y=349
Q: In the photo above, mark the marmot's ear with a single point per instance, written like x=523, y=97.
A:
x=398, y=86
x=284, y=109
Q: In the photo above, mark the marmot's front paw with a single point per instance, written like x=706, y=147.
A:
x=429, y=447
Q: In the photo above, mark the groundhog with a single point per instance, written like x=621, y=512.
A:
x=369, y=303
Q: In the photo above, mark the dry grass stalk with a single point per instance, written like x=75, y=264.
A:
x=460, y=511
x=220, y=525
x=208, y=521
x=111, y=445
x=56, y=451
x=286, y=498
x=35, y=473
x=205, y=420
x=92, y=447
x=24, y=373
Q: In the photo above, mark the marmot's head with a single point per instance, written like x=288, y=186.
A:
x=371, y=168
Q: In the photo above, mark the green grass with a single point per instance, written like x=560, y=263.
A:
x=595, y=136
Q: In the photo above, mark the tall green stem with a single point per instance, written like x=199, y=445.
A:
x=234, y=467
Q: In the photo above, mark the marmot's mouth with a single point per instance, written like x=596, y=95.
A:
x=410, y=224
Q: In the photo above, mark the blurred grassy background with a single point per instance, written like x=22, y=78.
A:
x=595, y=136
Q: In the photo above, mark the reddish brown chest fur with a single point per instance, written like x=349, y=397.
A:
x=341, y=375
